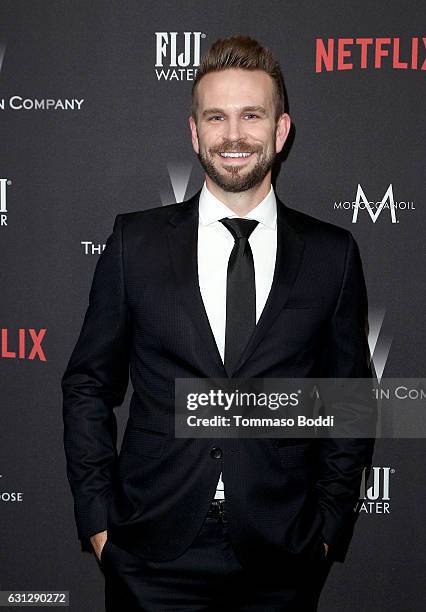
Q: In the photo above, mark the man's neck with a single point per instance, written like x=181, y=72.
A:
x=243, y=202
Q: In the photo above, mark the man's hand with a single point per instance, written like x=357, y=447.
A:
x=98, y=542
x=326, y=548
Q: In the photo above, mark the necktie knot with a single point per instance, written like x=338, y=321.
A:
x=240, y=228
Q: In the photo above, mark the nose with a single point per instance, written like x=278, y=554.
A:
x=234, y=129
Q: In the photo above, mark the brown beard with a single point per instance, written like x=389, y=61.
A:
x=234, y=180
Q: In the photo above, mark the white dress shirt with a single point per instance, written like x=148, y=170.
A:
x=215, y=243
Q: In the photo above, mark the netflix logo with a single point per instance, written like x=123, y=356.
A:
x=22, y=344
x=351, y=53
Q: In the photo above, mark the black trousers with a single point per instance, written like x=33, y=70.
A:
x=208, y=577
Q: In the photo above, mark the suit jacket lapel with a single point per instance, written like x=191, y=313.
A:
x=182, y=235
x=290, y=245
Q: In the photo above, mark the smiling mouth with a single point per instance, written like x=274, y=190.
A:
x=235, y=155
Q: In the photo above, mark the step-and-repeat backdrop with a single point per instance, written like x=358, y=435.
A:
x=94, y=105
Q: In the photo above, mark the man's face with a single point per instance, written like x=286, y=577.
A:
x=236, y=115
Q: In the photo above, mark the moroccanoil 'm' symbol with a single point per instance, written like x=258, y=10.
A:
x=388, y=197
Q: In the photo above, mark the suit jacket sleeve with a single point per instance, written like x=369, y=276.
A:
x=342, y=460
x=94, y=382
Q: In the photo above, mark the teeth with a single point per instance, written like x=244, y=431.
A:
x=235, y=154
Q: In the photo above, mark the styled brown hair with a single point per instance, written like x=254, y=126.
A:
x=246, y=53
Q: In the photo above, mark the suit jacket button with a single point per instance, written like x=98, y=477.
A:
x=216, y=453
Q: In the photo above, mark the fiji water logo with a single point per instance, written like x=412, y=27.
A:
x=375, y=499
x=177, y=56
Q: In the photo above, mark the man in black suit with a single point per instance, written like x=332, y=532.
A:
x=231, y=283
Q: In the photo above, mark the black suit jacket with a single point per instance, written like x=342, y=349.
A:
x=145, y=310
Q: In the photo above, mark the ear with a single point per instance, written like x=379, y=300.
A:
x=283, y=129
x=194, y=134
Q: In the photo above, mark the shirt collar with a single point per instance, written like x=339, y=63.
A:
x=211, y=209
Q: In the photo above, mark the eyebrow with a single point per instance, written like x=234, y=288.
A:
x=245, y=109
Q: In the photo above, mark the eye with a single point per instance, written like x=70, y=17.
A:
x=213, y=117
x=251, y=115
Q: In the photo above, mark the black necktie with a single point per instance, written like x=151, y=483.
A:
x=240, y=291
